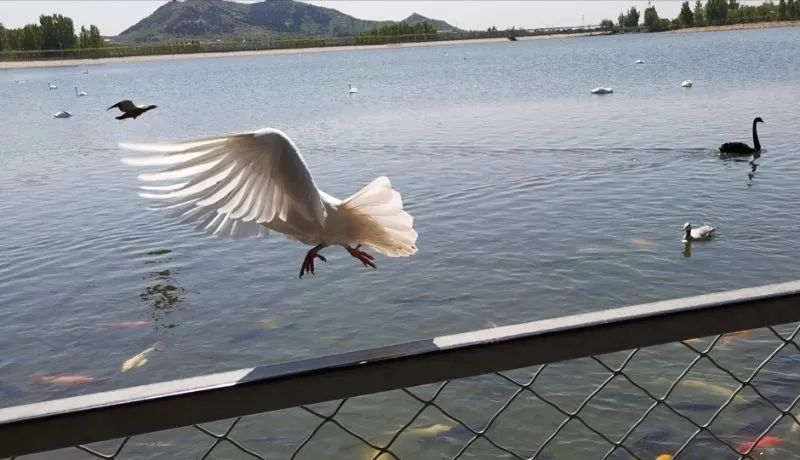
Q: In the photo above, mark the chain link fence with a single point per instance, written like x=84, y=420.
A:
x=731, y=395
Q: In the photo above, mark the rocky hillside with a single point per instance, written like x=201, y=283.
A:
x=221, y=19
x=440, y=26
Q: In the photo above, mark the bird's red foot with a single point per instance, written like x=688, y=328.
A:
x=308, y=262
x=362, y=256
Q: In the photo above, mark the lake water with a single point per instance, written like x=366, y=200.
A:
x=532, y=199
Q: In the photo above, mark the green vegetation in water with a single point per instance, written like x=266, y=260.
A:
x=710, y=13
x=162, y=294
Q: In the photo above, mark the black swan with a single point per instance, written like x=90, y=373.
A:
x=740, y=148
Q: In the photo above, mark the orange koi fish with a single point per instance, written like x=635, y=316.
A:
x=765, y=442
x=65, y=380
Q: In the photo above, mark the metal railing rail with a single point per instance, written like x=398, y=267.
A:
x=126, y=412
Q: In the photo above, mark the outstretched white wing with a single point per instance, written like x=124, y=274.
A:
x=235, y=184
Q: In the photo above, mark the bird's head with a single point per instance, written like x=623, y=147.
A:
x=151, y=107
x=759, y=120
x=687, y=226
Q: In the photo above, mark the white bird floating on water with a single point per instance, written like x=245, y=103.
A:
x=62, y=114
x=49, y=86
x=639, y=61
x=79, y=94
x=245, y=184
x=353, y=89
x=687, y=83
x=602, y=90
x=703, y=233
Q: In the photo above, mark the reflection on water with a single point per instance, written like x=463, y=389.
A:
x=753, y=166
x=687, y=249
x=162, y=294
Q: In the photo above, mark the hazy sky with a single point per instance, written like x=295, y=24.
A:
x=115, y=16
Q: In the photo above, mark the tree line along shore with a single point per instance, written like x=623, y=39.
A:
x=704, y=14
x=54, y=37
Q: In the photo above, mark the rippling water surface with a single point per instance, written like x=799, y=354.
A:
x=532, y=199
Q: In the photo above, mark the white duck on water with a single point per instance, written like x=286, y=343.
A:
x=687, y=84
x=62, y=114
x=353, y=89
x=248, y=183
x=703, y=233
x=602, y=90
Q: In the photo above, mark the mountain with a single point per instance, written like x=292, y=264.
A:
x=212, y=19
x=440, y=26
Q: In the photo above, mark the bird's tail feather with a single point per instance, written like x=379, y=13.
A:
x=387, y=227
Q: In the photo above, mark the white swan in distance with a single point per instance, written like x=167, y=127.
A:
x=62, y=114
x=51, y=86
x=703, y=233
x=353, y=89
x=687, y=83
x=602, y=90
x=639, y=61
x=79, y=94
x=245, y=184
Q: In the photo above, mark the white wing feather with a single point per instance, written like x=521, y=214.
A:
x=235, y=185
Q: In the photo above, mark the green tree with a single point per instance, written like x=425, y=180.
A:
x=401, y=28
x=31, y=38
x=13, y=38
x=791, y=10
x=57, y=32
x=781, y=10
x=686, y=17
x=607, y=24
x=621, y=19
x=2, y=37
x=716, y=12
x=83, y=38
x=632, y=18
x=95, y=40
x=651, y=19
x=699, y=18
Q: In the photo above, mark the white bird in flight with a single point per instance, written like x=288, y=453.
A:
x=245, y=184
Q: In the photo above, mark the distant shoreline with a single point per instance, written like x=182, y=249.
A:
x=10, y=65
x=745, y=26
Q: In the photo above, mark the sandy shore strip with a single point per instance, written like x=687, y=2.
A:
x=5, y=65
x=751, y=25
